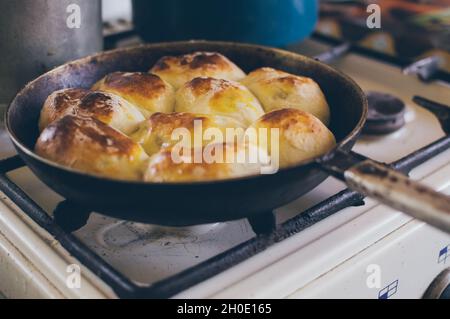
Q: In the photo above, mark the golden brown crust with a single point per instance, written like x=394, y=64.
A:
x=178, y=70
x=203, y=85
x=89, y=145
x=106, y=107
x=291, y=80
x=197, y=60
x=302, y=136
x=156, y=132
x=110, y=109
x=277, y=89
x=146, y=91
x=161, y=121
x=207, y=95
x=87, y=127
x=97, y=104
x=67, y=96
x=73, y=130
x=163, y=168
x=59, y=104
x=145, y=84
x=287, y=118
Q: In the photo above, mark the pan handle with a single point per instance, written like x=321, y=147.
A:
x=394, y=189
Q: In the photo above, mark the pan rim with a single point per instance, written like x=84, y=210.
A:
x=348, y=138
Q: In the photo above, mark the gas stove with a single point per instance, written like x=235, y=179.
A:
x=330, y=243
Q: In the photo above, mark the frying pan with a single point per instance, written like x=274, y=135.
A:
x=180, y=204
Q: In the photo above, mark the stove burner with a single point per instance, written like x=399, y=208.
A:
x=386, y=114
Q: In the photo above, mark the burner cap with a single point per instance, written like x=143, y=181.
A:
x=386, y=113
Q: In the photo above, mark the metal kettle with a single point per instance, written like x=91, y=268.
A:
x=37, y=35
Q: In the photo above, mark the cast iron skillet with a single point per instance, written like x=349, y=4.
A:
x=205, y=202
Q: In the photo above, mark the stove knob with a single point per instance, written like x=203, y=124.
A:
x=440, y=287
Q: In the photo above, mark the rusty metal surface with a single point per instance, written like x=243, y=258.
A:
x=398, y=191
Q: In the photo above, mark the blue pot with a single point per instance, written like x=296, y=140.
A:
x=268, y=22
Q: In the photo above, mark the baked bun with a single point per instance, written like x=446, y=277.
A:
x=178, y=70
x=89, y=145
x=156, y=132
x=106, y=107
x=163, y=168
x=146, y=91
x=277, y=89
x=58, y=104
x=302, y=136
x=219, y=97
x=110, y=109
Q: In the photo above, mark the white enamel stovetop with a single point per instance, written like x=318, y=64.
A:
x=329, y=259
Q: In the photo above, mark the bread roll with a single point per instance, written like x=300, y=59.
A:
x=106, y=107
x=156, y=132
x=219, y=97
x=91, y=146
x=163, y=168
x=146, y=91
x=178, y=70
x=110, y=109
x=59, y=104
x=302, y=136
x=276, y=89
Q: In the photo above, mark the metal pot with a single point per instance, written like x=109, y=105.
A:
x=37, y=35
x=268, y=22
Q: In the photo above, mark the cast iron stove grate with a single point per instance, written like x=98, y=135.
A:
x=267, y=233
